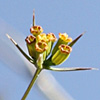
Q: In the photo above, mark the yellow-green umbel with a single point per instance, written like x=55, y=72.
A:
x=40, y=45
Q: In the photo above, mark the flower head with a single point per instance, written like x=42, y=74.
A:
x=40, y=45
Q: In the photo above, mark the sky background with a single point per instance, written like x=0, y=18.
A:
x=70, y=16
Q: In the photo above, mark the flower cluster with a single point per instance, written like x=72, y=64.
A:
x=40, y=46
x=40, y=43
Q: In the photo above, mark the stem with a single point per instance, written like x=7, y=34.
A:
x=31, y=83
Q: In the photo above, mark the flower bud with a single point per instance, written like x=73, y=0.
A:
x=61, y=54
x=36, y=30
x=42, y=38
x=41, y=47
x=51, y=38
x=31, y=40
x=63, y=39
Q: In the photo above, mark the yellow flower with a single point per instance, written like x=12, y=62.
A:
x=41, y=47
x=63, y=39
x=51, y=37
x=42, y=38
x=31, y=40
x=65, y=49
x=61, y=54
x=36, y=30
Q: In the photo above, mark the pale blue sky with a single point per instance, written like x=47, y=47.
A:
x=71, y=16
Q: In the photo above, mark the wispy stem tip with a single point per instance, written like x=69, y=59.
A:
x=11, y=39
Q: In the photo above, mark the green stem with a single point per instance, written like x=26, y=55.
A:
x=31, y=83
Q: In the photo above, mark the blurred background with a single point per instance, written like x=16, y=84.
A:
x=73, y=17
